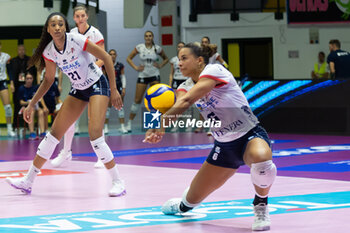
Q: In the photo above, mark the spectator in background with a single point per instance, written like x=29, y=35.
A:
x=58, y=78
x=215, y=58
x=320, y=67
x=25, y=95
x=120, y=80
x=51, y=101
x=338, y=60
x=18, y=66
x=4, y=92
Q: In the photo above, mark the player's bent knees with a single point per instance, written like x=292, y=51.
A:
x=47, y=146
x=258, y=156
x=263, y=174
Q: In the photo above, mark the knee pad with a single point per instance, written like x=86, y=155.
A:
x=108, y=113
x=121, y=113
x=8, y=110
x=263, y=174
x=102, y=150
x=134, y=108
x=47, y=146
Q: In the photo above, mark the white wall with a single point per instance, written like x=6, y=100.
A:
x=256, y=25
x=25, y=12
x=124, y=41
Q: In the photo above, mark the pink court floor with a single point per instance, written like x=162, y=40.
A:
x=310, y=194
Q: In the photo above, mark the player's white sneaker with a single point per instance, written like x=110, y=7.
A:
x=105, y=130
x=62, y=159
x=118, y=189
x=22, y=184
x=99, y=164
x=128, y=126
x=172, y=206
x=123, y=129
x=261, y=218
x=10, y=133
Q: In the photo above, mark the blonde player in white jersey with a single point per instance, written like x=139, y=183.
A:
x=148, y=70
x=80, y=16
x=239, y=139
x=4, y=91
x=216, y=57
x=175, y=76
x=75, y=55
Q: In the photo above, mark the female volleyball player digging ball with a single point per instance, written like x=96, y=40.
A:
x=71, y=53
x=217, y=95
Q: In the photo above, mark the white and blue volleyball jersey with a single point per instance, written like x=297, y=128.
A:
x=225, y=103
x=74, y=61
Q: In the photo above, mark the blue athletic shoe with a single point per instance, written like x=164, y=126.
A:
x=42, y=135
x=32, y=136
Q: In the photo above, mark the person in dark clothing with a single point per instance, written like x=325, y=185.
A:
x=18, y=67
x=338, y=60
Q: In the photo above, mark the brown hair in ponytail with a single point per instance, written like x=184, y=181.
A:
x=205, y=51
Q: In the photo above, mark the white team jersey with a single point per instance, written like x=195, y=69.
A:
x=147, y=58
x=213, y=59
x=177, y=73
x=74, y=61
x=92, y=33
x=226, y=103
x=4, y=57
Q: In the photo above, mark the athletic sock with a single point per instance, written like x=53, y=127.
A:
x=258, y=200
x=32, y=173
x=185, y=208
x=68, y=139
x=114, y=173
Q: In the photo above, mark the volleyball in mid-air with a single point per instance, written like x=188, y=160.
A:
x=159, y=97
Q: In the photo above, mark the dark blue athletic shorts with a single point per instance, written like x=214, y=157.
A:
x=148, y=80
x=230, y=154
x=176, y=83
x=101, y=87
x=3, y=85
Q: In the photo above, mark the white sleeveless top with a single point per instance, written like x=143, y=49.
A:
x=177, y=72
x=4, y=57
x=147, y=57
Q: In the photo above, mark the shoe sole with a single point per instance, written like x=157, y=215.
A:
x=98, y=166
x=63, y=164
x=118, y=195
x=25, y=191
x=265, y=228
